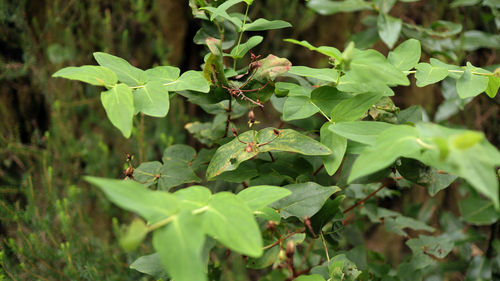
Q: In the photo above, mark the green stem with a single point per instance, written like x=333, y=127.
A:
x=455, y=71
x=322, y=113
x=241, y=34
x=161, y=223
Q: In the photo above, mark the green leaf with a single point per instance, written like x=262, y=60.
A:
x=220, y=11
x=146, y=172
x=150, y=264
x=125, y=72
x=136, y=232
x=354, y=108
x=239, y=52
x=478, y=211
x=370, y=66
x=179, y=245
x=326, y=98
x=230, y=221
x=152, y=99
x=189, y=80
x=398, y=223
x=118, y=103
x=327, y=74
x=305, y=201
x=314, y=277
x=94, y=75
x=328, y=212
x=163, y=74
x=389, y=29
x=263, y=24
x=325, y=50
x=269, y=257
x=392, y=143
x=193, y=197
x=437, y=246
x=176, y=167
x=406, y=55
x=361, y=131
x=134, y=197
x=298, y=107
x=470, y=85
x=493, y=86
x=329, y=7
x=258, y=197
x=429, y=74
x=268, y=214
x=337, y=144
x=229, y=156
x=456, y=71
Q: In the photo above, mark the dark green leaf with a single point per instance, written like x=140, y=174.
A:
x=478, y=211
x=150, y=264
x=327, y=74
x=337, y=144
x=354, y=108
x=305, y=201
x=146, y=172
x=298, y=107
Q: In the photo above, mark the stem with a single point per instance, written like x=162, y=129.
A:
x=284, y=238
x=166, y=84
x=318, y=169
x=200, y=210
x=322, y=113
x=141, y=139
x=362, y=201
x=423, y=144
x=241, y=34
x=324, y=246
x=271, y=155
x=161, y=223
x=228, y=115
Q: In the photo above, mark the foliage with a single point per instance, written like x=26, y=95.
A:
x=293, y=202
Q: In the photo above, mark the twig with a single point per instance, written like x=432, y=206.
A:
x=318, y=170
x=284, y=238
x=362, y=201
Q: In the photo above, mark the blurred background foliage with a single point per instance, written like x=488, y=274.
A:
x=53, y=131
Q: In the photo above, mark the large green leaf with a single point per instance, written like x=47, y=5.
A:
x=250, y=143
x=193, y=197
x=390, y=145
x=326, y=98
x=230, y=221
x=429, y=74
x=337, y=144
x=298, y=107
x=493, y=86
x=389, y=29
x=406, y=55
x=164, y=74
x=360, y=131
x=306, y=199
x=258, y=197
x=471, y=85
x=94, y=75
x=134, y=197
x=189, y=80
x=125, y=72
x=371, y=66
x=152, y=99
x=354, y=108
x=118, y=102
x=263, y=24
x=179, y=245
x=327, y=74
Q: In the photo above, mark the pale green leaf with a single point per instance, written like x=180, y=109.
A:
x=179, y=245
x=406, y=55
x=389, y=29
x=328, y=7
x=189, y=80
x=327, y=74
x=298, y=107
x=152, y=99
x=429, y=74
x=258, y=197
x=134, y=197
x=230, y=221
x=493, y=86
x=125, y=72
x=325, y=50
x=239, y=51
x=118, y=102
x=94, y=75
x=365, y=132
x=471, y=85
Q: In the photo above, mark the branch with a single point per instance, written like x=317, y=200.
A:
x=362, y=201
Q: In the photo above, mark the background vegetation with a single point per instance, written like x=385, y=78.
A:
x=52, y=131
